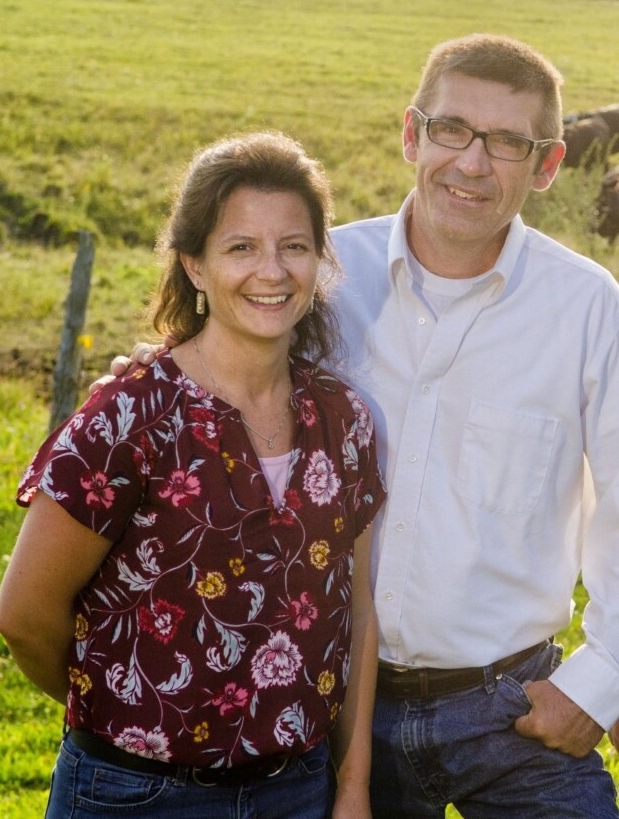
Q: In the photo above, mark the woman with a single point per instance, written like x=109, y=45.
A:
x=188, y=550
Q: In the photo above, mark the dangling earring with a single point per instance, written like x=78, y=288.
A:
x=200, y=302
x=310, y=309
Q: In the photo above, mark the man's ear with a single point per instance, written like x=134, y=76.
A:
x=193, y=269
x=409, y=143
x=549, y=167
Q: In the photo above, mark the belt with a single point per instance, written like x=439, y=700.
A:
x=262, y=768
x=405, y=682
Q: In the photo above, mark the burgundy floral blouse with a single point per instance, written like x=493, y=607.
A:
x=218, y=627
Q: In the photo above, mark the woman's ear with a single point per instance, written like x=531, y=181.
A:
x=409, y=143
x=193, y=269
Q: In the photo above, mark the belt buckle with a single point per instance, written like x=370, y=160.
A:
x=280, y=768
x=220, y=775
x=198, y=781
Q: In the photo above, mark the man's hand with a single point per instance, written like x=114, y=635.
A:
x=557, y=722
x=142, y=353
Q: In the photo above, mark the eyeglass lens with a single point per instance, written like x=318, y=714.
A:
x=501, y=146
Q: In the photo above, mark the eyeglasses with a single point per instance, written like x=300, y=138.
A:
x=450, y=134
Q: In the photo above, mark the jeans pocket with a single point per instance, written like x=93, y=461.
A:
x=510, y=701
x=315, y=761
x=109, y=786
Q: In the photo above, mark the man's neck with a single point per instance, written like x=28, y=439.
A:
x=452, y=260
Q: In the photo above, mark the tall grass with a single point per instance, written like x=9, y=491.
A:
x=101, y=106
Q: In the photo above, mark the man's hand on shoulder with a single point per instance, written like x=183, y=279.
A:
x=557, y=722
x=142, y=353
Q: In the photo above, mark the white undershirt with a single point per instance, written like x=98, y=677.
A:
x=437, y=292
x=276, y=472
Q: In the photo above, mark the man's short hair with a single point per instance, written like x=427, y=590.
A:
x=498, y=59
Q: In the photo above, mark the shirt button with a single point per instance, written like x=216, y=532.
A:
x=421, y=320
x=425, y=389
x=389, y=596
x=412, y=459
x=400, y=527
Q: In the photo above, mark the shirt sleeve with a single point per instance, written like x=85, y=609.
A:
x=95, y=465
x=590, y=676
x=370, y=488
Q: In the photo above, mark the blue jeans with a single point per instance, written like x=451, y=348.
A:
x=463, y=749
x=84, y=787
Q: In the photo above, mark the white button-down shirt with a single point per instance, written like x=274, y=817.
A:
x=485, y=417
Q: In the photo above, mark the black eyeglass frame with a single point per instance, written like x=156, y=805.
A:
x=532, y=144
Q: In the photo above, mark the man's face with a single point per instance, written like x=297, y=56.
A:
x=465, y=199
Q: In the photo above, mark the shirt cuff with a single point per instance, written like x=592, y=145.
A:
x=592, y=682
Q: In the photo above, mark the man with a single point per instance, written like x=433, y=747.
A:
x=489, y=355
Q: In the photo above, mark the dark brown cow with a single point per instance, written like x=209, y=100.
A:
x=587, y=141
x=610, y=115
x=607, y=206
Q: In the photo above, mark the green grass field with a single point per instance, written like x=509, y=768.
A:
x=102, y=105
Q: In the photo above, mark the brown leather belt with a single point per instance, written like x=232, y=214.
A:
x=404, y=682
x=262, y=768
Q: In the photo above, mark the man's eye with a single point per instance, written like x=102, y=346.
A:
x=509, y=140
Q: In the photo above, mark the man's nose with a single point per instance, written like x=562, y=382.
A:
x=474, y=159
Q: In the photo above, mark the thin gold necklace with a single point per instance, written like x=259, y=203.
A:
x=270, y=441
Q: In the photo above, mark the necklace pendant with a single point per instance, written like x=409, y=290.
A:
x=270, y=443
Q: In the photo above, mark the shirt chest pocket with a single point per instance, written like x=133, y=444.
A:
x=504, y=458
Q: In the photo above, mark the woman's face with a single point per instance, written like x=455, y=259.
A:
x=260, y=264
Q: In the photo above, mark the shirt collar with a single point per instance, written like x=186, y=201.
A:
x=505, y=264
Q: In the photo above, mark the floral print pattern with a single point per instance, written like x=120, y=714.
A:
x=218, y=627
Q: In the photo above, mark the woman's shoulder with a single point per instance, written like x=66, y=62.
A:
x=162, y=377
x=327, y=389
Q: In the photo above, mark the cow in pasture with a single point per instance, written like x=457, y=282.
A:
x=587, y=142
x=607, y=206
x=610, y=115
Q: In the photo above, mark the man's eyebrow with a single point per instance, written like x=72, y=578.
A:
x=462, y=121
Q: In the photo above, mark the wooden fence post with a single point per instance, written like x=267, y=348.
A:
x=69, y=363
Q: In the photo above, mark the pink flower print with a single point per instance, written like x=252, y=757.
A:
x=161, y=620
x=363, y=424
x=291, y=502
x=230, y=698
x=304, y=611
x=277, y=662
x=307, y=412
x=180, y=487
x=205, y=427
x=98, y=492
x=320, y=480
x=151, y=744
